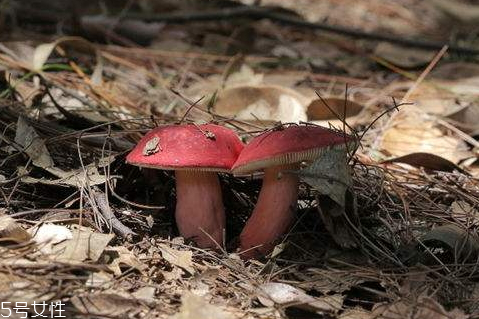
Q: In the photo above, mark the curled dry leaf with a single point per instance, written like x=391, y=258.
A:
x=333, y=112
x=197, y=307
x=43, y=51
x=180, y=258
x=48, y=235
x=10, y=230
x=85, y=244
x=462, y=243
x=119, y=257
x=266, y=103
x=421, y=135
x=286, y=295
x=427, y=161
x=33, y=144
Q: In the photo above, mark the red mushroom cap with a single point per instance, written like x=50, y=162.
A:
x=206, y=147
x=287, y=146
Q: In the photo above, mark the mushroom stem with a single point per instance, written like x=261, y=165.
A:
x=199, y=207
x=273, y=213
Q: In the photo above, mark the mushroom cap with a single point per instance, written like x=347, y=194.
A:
x=206, y=147
x=289, y=145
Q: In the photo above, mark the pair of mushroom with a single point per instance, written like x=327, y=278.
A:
x=198, y=152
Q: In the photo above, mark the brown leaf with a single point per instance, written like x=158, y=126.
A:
x=415, y=134
x=459, y=240
x=261, y=102
x=197, y=307
x=285, y=295
x=402, y=56
x=424, y=308
x=103, y=304
x=333, y=112
x=426, y=160
x=180, y=258
x=10, y=230
x=85, y=244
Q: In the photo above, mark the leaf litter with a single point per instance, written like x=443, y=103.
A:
x=387, y=232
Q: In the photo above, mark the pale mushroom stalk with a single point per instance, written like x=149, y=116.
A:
x=273, y=213
x=199, y=207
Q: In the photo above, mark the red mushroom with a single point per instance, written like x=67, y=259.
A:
x=275, y=152
x=196, y=153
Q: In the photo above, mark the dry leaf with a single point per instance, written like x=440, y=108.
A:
x=329, y=174
x=461, y=11
x=467, y=118
x=426, y=160
x=286, y=295
x=180, y=258
x=419, y=135
x=424, y=308
x=99, y=279
x=261, y=102
x=321, y=114
x=465, y=213
x=110, y=305
x=356, y=313
x=33, y=145
x=10, y=230
x=327, y=281
x=49, y=234
x=120, y=256
x=461, y=242
x=43, y=51
x=146, y=294
x=85, y=244
x=402, y=56
x=196, y=307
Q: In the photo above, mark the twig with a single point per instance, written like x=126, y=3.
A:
x=118, y=227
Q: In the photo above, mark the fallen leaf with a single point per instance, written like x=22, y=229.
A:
x=465, y=213
x=461, y=242
x=329, y=174
x=106, y=304
x=466, y=118
x=85, y=244
x=10, y=230
x=327, y=281
x=420, y=135
x=180, y=258
x=460, y=11
x=423, y=308
x=427, y=161
x=43, y=51
x=285, y=295
x=118, y=257
x=99, y=279
x=146, y=294
x=455, y=70
x=402, y=56
x=33, y=144
x=261, y=103
x=333, y=112
x=14, y=288
x=48, y=235
x=197, y=307
x=356, y=313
